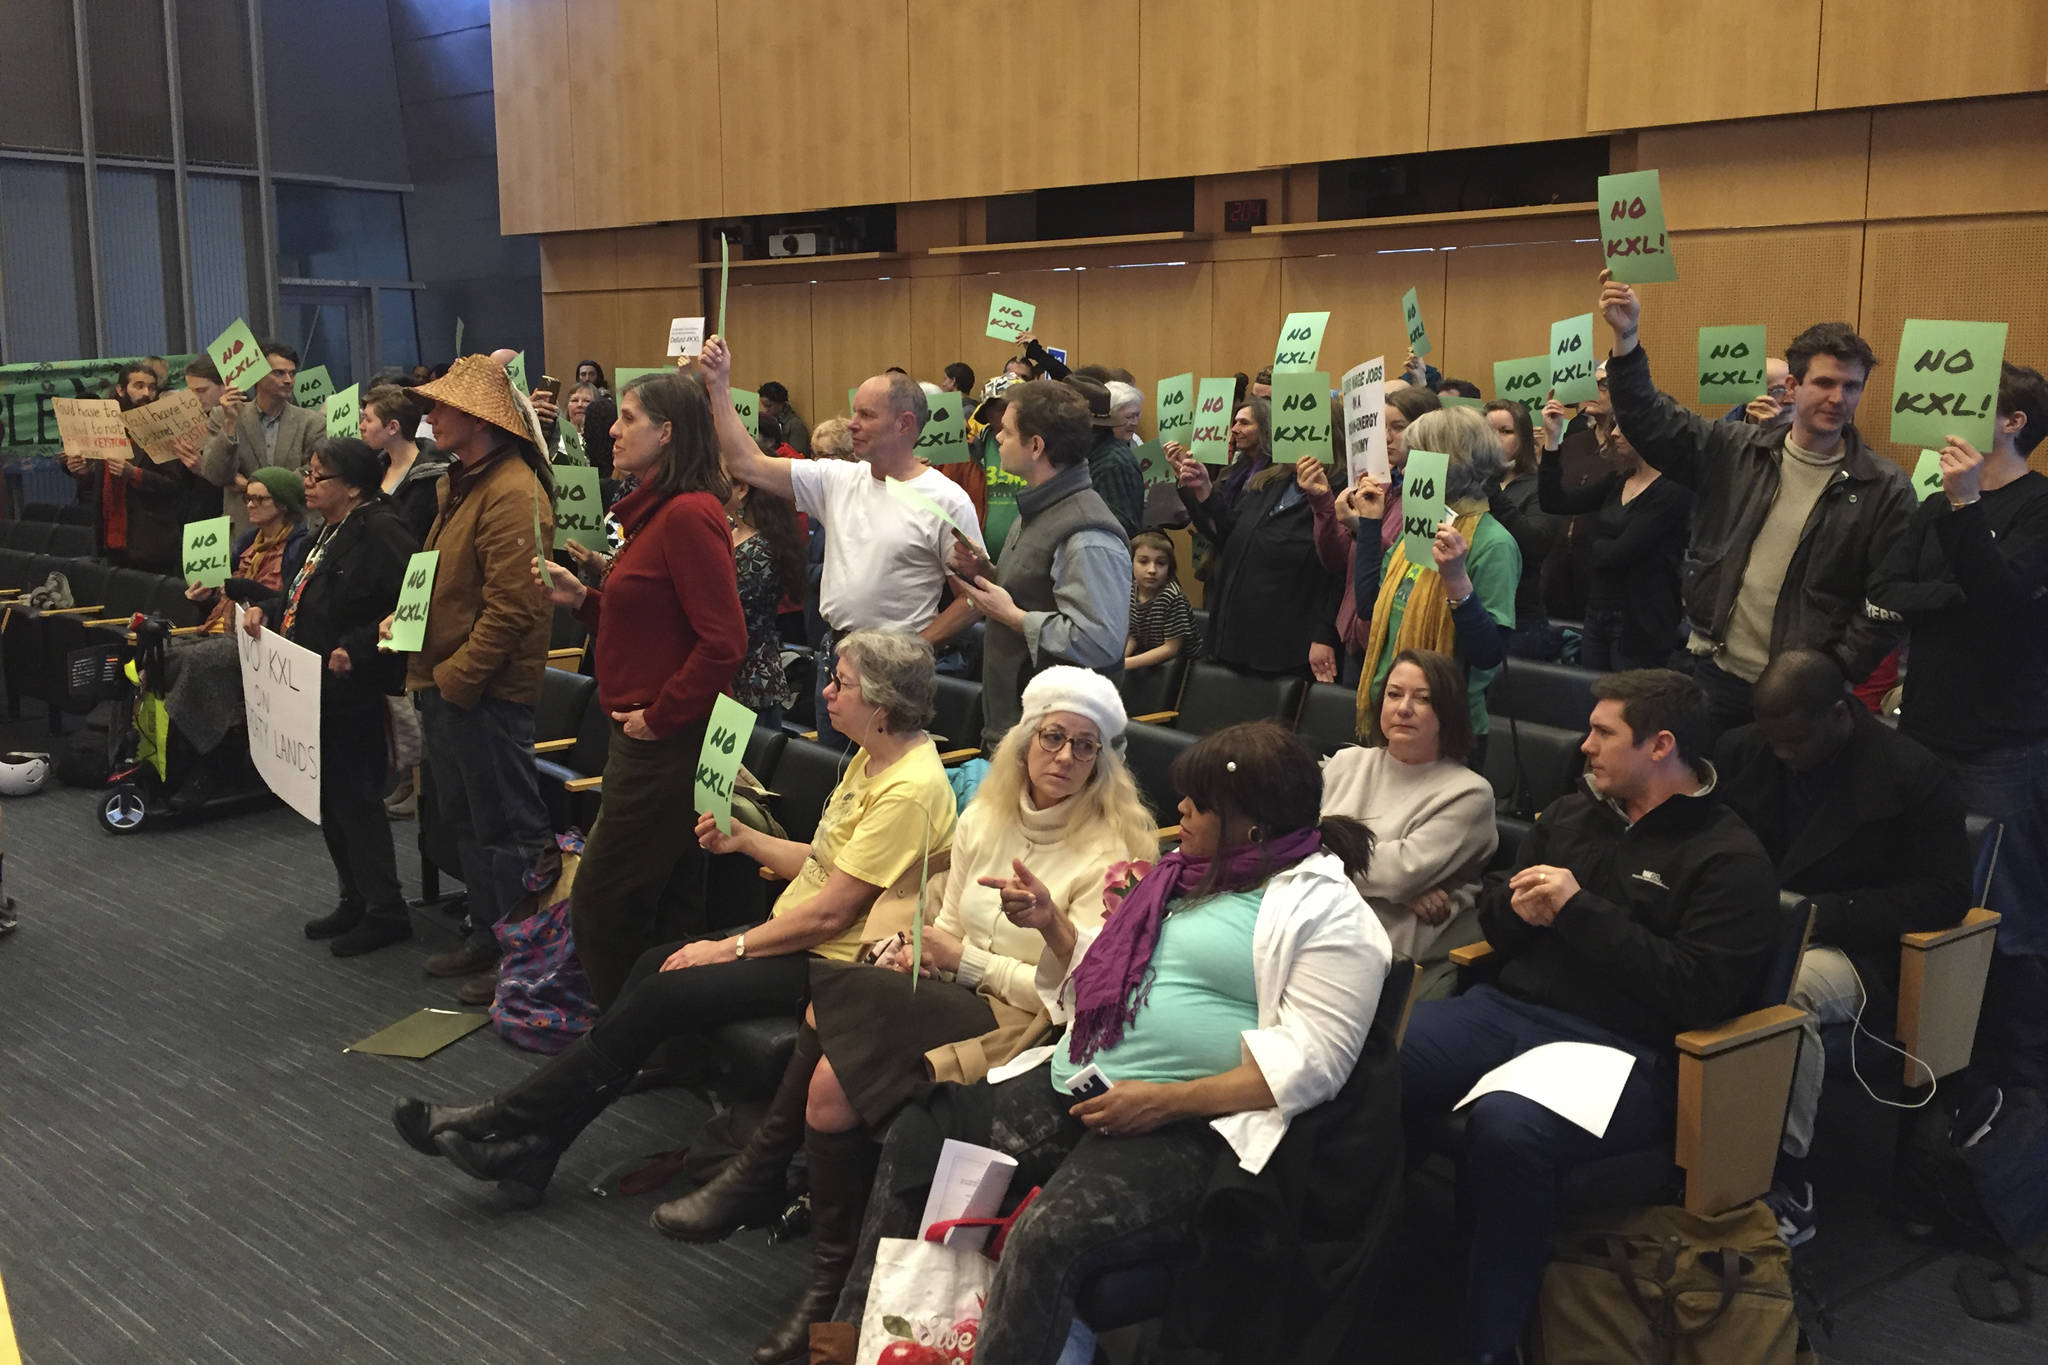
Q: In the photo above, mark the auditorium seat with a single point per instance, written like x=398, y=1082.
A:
x=30, y=536
x=1147, y=691
x=72, y=542
x=1510, y=832
x=804, y=778
x=1531, y=765
x=1329, y=718
x=1217, y=695
x=1549, y=694
x=1149, y=752
x=957, y=718
x=558, y=715
x=764, y=751
x=40, y=511
x=572, y=779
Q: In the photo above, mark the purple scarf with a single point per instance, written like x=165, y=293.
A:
x=1113, y=979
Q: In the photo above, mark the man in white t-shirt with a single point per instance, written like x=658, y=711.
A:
x=885, y=557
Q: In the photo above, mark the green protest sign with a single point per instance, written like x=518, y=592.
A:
x=718, y=762
x=516, y=369
x=1459, y=400
x=541, y=540
x=1411, y=317
x=312, y=386
x=944, y=438
x=344, y=412
x=1632, y=228
x=28, y=426
x=626, y=374
x=1572, y=360
x=1301, y=341
x=851, y=394
x=239, y=357
x=901, y=490
x=409, y=617
x=1209, y=441
x=1152, y=465
x=1927, y=475
x=1423, y=508
x=1301, y=417
x=1525, y=381
x=579, y=508
x=1176, y=407
x=208, y=551
x=748, y=403
x=724, y=277
x=1948, y=383
x=1009, y=318
x=1731, y=364
x=458, y=335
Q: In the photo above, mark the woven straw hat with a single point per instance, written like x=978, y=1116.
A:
x=479, y=386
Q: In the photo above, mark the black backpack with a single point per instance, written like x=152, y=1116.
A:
x=1989, y=1199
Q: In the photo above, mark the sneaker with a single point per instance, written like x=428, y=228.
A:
x=1975, y=1118
x=1796, y=1224
x=8, y=923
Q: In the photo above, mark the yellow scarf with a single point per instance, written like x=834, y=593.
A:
x=1425, y=621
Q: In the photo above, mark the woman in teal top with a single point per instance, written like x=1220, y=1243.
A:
x=1228, y=992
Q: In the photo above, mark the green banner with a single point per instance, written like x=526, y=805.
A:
x=409, y=618
x=718, y=762
x=1423, y=508
x=1175, y=407
x=1632, y=228
x=312, y=386
x=1301, y=417
x=344, y=413
x=1572, y=359
x=944, y=438
x=27, y=427
x=1525, y=381
x=579, y=508
x=1948, y=383
x=748, y=402
x=1209, y=442
x=208, y=547
x=1301, y=342
x=1927, y=475
x=1411, y=318
x=1731, y=364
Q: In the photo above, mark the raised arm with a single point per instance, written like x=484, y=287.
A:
x=1673, y=439
x=737, y=451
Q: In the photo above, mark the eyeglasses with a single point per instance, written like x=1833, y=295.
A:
x=309, y=478
x=1052, y=740
x=254, y=501
x=839, y=684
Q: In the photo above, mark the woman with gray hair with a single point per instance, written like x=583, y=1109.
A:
x=892, y=810
x=1461, y=603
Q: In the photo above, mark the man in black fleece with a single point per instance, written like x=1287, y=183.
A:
x=1642, y=907
x=1868, y=825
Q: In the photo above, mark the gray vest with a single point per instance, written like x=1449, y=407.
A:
x=1060, y=507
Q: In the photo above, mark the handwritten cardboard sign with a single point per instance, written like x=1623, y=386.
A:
x=1423, y=508
x=312, y=386
x=944, y=438
x=239, y=357
x=579, y=508
x=1301, y=342
x=1364, y=389
x=91, y=428
x=1632, y=228
x=344, y=411
x=1411, y=317
x=1209, y=441
x=1948, y=383
x=1176, y=407
x=409, y=617
x=1927, y=475
x=281, y=703
x=1525, y=381
x=1009, y=318
x=157, y=426
x=686, y=337
x=718, y=762
x=1572, y=360
x=1301, y=416
x=208, y=547
x=1731, y=364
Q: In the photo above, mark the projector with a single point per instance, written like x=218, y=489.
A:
x=793, y=244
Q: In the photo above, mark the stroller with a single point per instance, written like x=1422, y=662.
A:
x=154, y=773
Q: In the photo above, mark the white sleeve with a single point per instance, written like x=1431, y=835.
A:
x=811, y=486
x=1325, y=1009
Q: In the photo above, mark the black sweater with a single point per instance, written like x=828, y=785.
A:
x=1273, y=598
x=1635, y=553
x=1673, y=926
x=353, y=586
x=1971, y=585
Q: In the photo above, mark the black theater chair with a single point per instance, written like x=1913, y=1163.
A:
x=1329, y=718
x=1546, y=693
x=1531, y=765
x=1217, y=695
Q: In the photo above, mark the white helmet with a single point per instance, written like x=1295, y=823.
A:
x=23, y=774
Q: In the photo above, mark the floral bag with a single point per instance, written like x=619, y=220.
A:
x=543, y=1002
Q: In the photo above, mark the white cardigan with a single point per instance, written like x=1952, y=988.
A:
x=1319, y=958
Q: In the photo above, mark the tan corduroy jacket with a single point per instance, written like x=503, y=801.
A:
x=489, y=621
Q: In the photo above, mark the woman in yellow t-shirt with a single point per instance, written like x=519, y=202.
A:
x=891, y=810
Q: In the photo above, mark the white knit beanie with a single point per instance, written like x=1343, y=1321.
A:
x=1079, y=690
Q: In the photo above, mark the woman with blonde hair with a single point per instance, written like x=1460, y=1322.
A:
x=1461, y=603
x=1058, y=808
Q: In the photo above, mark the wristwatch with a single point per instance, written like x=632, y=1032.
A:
x=1456, y=602
x=739, y=948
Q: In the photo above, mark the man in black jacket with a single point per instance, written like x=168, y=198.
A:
x=1642, y=908
x=1867, y=825
x=1791, y=521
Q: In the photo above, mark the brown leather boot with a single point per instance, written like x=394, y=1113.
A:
x=752, y=1189
x=842, y=1170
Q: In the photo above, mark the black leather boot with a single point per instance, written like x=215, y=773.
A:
x=535, y=1122
x=842, y=1170
x=752, y=1189
x=419, y=1122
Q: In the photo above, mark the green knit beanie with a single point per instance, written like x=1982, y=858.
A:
x=288, y=488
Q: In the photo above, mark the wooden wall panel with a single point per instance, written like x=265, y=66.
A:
x=1897, y=51
x=772, y=336
x=529, y=75
x=660, y=256
x=597, y=155
x=858, y=329
x=1363, y=294
x=577, y=326
x=814, y=101
x=1191, y=119
x=1244, y=316
x=1911, y=271
x=1326, y=86
x=1785, y=278
x=971, y=126
x=578, y=260
x=1729, y=174
x=1484, y=95
x=1939, y=160
x=1652, y=64
x=1056, y=323
x=644, y=316
x=665, y=152
x=1151, y=320
x=935, y=328
x=1499, y=302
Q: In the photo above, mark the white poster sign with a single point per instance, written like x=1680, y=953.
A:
x=1365, y=432
x=686, y=337
x=281, y=696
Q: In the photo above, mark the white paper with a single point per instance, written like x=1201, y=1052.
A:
x=969, y=1182
x=1365, y=429
x=686, y=336
x=281, y=696
x=1581, y=1082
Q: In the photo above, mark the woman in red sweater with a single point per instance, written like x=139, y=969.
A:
x=670, y=635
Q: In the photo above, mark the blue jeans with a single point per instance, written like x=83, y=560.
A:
x=2010, y=785
x=487, y=791
x=1517, y=1153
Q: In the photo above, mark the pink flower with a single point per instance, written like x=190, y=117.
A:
x=1119, y=881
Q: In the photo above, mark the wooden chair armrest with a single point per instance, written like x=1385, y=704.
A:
x=188, y=630
x=120, y=621
x=1167, y=832
x=565, y=654
x=553, y=746
x=959, y=755
x=767, y=874
x=1977, y=921
x=73, y=611
x=811, y=735
x=583, y=784
x=1471, y=954
x=1740, y=1031
x=1733, y=1083
x=1158, y=717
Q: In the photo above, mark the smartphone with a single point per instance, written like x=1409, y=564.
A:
x=982, y=567
x=1087, y=1083
x=548, y=385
